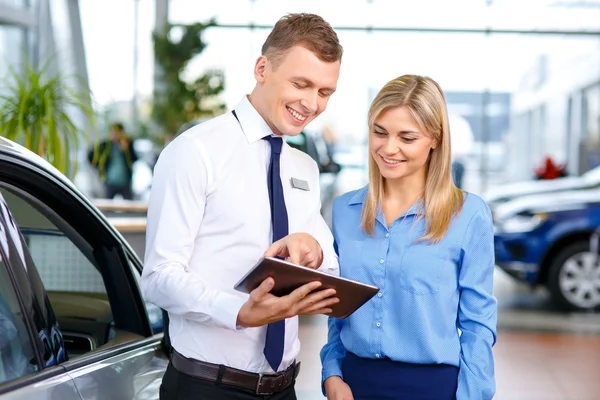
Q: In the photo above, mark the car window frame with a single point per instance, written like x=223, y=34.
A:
x=28, y=179
x=41, y=306
x=10, y=161
x=64, y=227
x=25, y=177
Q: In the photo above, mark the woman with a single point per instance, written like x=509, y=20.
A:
x=429, y=247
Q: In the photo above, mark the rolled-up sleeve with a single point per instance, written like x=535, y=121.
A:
x=477, y=314
x=180, y=185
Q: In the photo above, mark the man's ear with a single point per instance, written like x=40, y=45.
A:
x=260, y=68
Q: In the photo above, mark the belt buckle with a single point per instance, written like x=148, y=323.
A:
x=276, y=386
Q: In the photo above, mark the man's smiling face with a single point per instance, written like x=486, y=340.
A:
x=297, y=89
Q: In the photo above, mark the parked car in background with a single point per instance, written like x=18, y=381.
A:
x=545, y=240
x=502, y=193
x=73, y=323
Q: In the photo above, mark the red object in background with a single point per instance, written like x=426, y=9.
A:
x=550, y=170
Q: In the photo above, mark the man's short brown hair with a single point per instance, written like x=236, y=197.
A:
x=307, y=30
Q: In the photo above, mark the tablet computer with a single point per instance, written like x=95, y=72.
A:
x=288, y=277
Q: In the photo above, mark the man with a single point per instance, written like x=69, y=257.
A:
x=220, y=196
x=458, y=171
x=114, y=159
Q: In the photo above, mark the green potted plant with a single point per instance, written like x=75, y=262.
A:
x=178, y=100
x=36, y=111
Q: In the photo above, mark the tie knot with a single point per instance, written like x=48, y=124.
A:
x=276, y=143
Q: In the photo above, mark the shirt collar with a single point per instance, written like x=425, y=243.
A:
x=416, y=209
x=359, y=197
x=253, y=125
x=361, y=194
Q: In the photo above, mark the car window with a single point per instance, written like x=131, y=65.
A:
x=75, y=286
x=60, y=263
x=17, y=355
x=49, y=336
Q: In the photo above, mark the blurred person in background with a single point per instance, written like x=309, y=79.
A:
x=227, y=192
x=430, y=248
x=330, y=140
x=458, y=171
x=114, y=158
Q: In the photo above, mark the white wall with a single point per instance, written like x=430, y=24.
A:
x=571, y=66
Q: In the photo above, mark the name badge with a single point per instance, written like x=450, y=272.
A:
x=300, y=184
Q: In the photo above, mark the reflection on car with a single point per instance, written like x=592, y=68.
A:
x=548, y=240
x=506, y=192
x=73, y=323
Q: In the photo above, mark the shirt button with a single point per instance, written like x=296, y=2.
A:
x=378, y=324
x=381, y=261
x=379, y=294
x=387, y=235
x=377, y=355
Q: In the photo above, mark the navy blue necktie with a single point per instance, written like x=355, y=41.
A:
x=279, y=219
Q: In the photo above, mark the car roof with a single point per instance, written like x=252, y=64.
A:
x=13, y=149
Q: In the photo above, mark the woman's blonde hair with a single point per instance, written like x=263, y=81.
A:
x=424, y=99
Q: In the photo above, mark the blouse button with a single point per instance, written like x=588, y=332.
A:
x=387, y=235
x=381, y=261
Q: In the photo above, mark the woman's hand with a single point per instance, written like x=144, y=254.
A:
x=337, y=389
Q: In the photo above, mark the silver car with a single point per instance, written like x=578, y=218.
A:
x=73, y=323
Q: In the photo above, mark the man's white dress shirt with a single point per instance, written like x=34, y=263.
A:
x=209, y=221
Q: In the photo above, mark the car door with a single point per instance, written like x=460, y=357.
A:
x=91, y=276
x=31, y=345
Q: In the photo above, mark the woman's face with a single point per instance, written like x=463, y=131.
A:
x=398, y=145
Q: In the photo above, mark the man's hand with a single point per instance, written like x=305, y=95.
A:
x=299, y=248
x=262, y=307
x=337, y=389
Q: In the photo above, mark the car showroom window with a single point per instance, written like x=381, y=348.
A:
x=17, y=356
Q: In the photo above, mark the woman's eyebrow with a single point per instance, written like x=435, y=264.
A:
x=401, y=132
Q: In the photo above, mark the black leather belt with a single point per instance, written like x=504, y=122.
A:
x=261, y=384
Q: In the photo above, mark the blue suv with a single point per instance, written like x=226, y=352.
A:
x=551, y=240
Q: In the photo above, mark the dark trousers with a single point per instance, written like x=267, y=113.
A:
x=111, y=191
x=179, y=386
x=379, y=379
